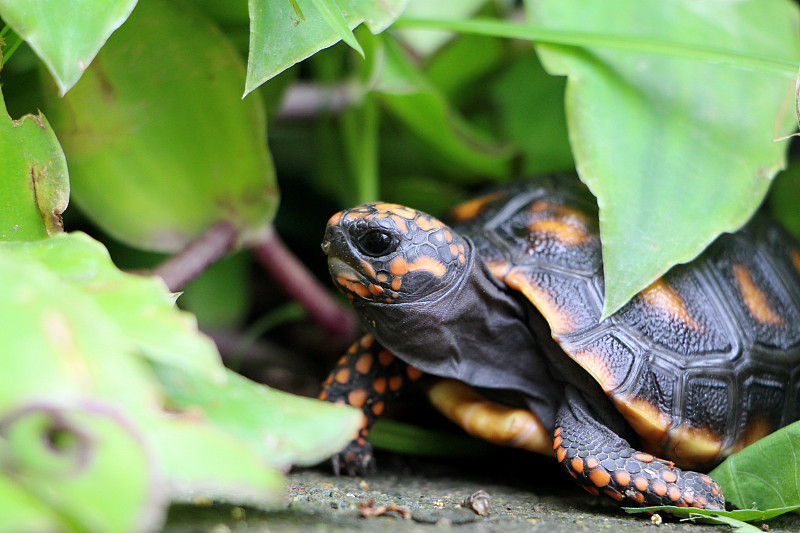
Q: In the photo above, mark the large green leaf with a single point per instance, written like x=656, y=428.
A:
x=34, y=187
x=140, y=306
x=66, y=34
x=79, y=342
x=280, y=37
x=203, y=461
x=21, y=511
x=676, y=150
x=287, y=429
x=159, y=143
x=68, y=454
x=766, y=474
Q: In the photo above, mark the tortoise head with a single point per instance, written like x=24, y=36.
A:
x=387, y=253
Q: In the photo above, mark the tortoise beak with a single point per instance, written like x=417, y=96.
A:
x=334, y=244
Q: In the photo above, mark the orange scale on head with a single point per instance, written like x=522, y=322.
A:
x=398, y=266
x=335, y=219
x=375, y=289
x=368, y=269
x=405, y=212
x=401, y=224
x=429, y=264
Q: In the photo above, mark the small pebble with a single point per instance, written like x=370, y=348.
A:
x=479, y=501
x=656, y=519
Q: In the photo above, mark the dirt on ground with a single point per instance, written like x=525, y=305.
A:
x=524, y=494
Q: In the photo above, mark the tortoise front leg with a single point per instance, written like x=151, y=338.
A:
x=602, y=462
x=368, y=377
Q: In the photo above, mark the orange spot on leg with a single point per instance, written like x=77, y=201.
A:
x=600, y=477
x=357, y=398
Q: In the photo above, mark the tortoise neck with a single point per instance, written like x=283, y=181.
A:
x=476, y=332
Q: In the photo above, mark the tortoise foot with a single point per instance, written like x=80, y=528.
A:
x=356, y=459
x=604, y=464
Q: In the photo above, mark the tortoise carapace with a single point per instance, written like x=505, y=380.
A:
x=505, y=302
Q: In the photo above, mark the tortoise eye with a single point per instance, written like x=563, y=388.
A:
x=376, y=243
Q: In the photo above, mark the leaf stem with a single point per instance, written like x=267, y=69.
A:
x=529, y=32
x=193, y=260
x=298, y=283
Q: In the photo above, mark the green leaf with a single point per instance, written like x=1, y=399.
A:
x=71, y=346
x=161, y=149
x=286, y=429
x=406, y=438
x=21, y=511
x=766, y=474
x=68, y=455
x=34, y=185
x=675, y=148
x=333, y=16
x=203, y=462
x=464, y=151
x=425, y=42
x=279, y=38
x=737, y=519
x=66, y=34
x=140, y=306
x=523, y=91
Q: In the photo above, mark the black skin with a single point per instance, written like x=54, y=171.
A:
x=447, y=333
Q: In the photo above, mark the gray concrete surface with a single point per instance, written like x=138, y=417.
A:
x=529, y=495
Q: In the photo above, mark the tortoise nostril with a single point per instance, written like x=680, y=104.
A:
x=330, y=235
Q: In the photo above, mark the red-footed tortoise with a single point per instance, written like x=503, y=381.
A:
x=505, y=303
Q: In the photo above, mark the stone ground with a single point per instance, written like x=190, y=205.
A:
x=529, y=495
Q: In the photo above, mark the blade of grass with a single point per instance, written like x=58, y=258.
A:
x=360, y=130
x=528, y=32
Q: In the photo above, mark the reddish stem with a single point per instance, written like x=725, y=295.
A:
x=298, y=283
x=198, y=255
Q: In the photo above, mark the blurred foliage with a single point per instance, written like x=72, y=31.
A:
x=670, y=115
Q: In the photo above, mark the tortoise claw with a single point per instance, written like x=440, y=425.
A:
x=356, y=459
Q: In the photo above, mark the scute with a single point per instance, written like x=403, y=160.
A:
x=701, y=362
x=673, y=313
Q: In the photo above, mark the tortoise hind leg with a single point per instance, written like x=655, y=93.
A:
x=603, y=463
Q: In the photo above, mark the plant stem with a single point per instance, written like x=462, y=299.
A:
x=529, y=32
x=201, y=253
x=298, y=283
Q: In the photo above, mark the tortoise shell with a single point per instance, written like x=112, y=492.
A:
x=701, y=363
